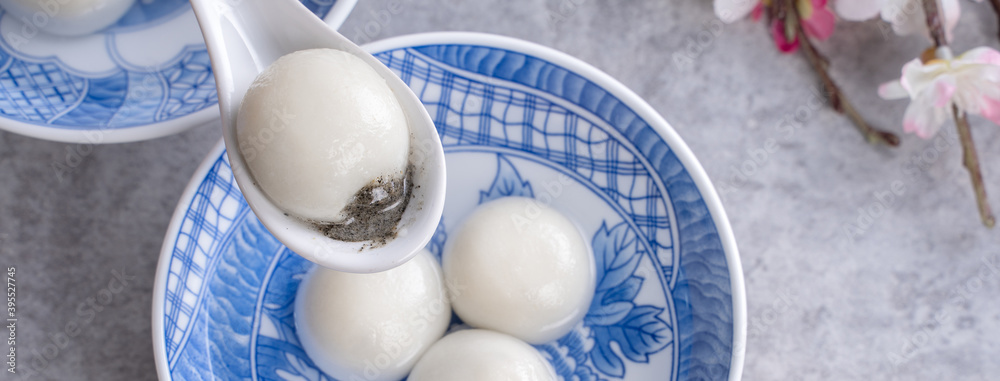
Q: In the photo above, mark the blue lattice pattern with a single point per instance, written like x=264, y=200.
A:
x=191, y=86
x=214, y=208
x=37, y=92
x=469, y=111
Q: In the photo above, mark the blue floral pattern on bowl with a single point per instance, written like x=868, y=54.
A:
x=512, y=124
x=151, y=68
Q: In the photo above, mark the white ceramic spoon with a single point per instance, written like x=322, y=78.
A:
x=243, y=38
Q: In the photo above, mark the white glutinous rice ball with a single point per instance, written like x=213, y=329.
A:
x=316, y=127
x=520, y=268
x=68, y=17
x=372, y=326
x=482, y=355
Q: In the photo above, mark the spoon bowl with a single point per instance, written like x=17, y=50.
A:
x=243, y=38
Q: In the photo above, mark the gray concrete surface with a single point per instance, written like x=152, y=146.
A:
x=913, y=296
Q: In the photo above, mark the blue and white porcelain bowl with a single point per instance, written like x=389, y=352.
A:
x=516, y=119
x=144, y=77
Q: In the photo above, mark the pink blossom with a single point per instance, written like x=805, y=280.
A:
x=970, y=82
x=778, y=33
x=817, y=20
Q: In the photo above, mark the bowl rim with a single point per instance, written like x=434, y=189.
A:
x=103, y=135
x=573, y=64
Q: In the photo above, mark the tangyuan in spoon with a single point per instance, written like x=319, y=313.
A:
x=332, y=150
x=334, y=153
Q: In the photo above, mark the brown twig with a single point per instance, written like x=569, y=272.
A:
x=934, y=23
x=971, y=161
x=969, y=157
x=837, y=99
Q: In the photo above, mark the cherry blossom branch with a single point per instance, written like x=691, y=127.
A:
x=838, y=100
x=934, y=23
x=969, y=157
x=971, y=161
